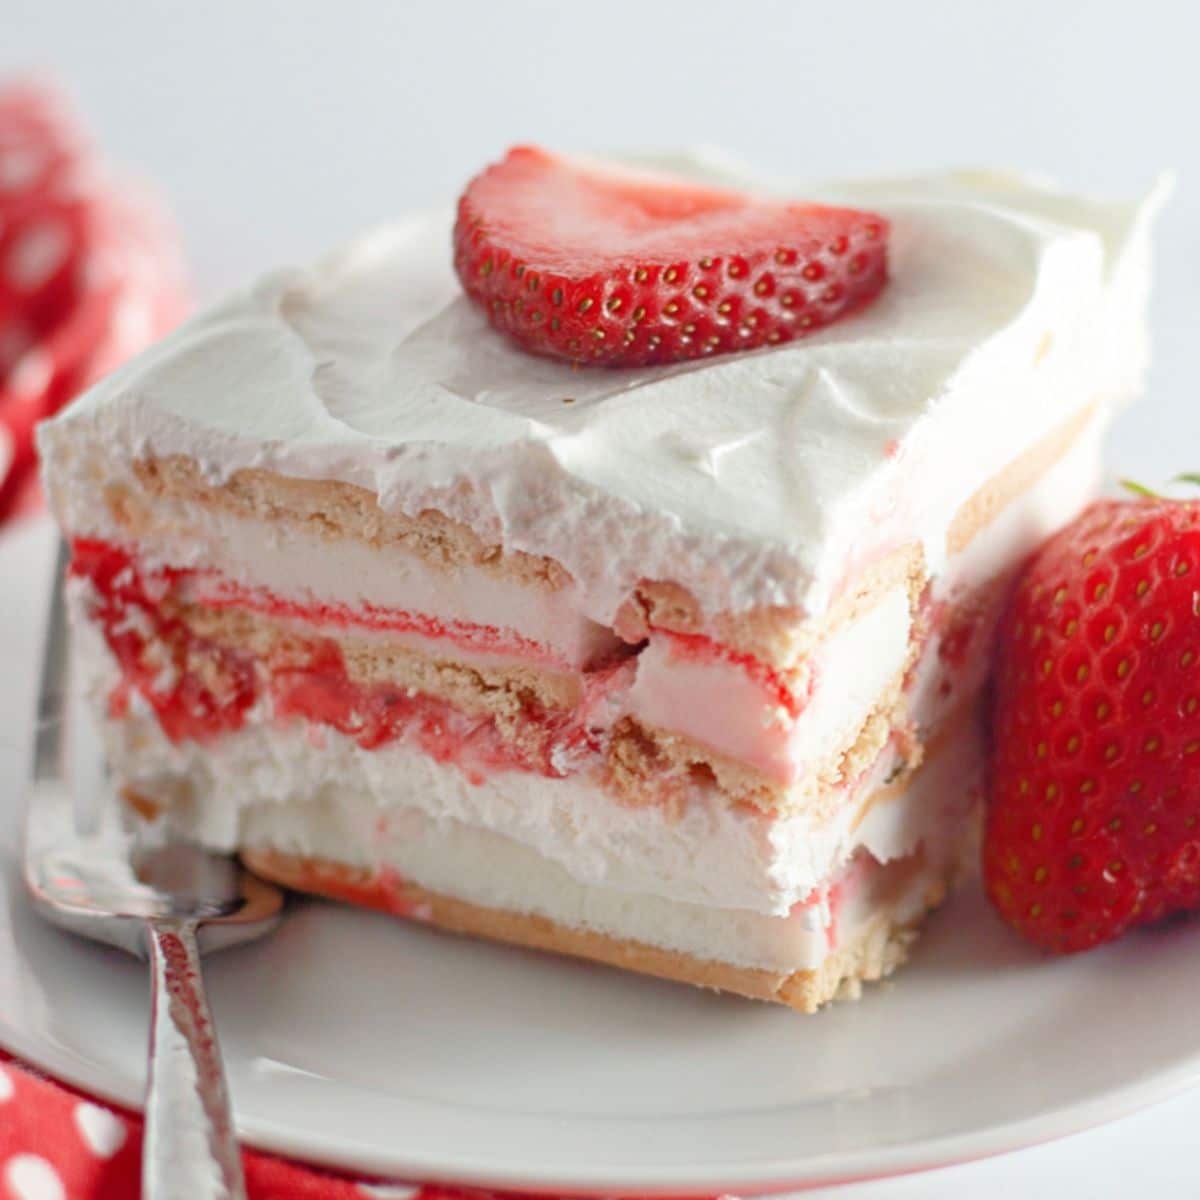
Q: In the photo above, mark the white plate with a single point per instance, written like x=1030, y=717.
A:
x=361, y=1042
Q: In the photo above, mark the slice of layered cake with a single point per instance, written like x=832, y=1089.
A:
x=635, y=604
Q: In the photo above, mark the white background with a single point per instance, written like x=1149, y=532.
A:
x=275, y=128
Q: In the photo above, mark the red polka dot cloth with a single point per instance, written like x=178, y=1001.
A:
x=56, y=1144
x=89, y=271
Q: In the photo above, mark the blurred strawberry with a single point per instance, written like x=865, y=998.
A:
x=89, y=270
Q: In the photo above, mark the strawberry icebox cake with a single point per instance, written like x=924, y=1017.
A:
x=611, y=566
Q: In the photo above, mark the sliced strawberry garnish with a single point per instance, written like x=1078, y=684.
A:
x=595, y=264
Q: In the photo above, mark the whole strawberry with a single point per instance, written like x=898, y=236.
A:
x=600, y=265
x=1093, y=823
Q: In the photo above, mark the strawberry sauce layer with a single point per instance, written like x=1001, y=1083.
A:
x=200, y=690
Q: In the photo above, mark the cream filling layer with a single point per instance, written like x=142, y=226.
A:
x=723, y=706
x=491, y=870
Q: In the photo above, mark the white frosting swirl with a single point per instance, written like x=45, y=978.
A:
x=751, y=479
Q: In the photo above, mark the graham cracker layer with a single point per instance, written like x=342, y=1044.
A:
x=646, y=763
x=329, y=509
x=1018, y=477
x=478, y=688
x=781, y=637
x=876, y=952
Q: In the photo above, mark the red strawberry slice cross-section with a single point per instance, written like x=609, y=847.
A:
x=597, y=264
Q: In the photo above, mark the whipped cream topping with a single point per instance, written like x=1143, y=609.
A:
x=762, y=478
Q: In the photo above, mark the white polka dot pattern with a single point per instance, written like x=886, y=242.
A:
x=31, y=374
x=102, y=1132
x=6, y=1083
x=31, y=1177
x=38, y=253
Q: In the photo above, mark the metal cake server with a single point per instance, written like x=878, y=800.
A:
x=151, y=896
